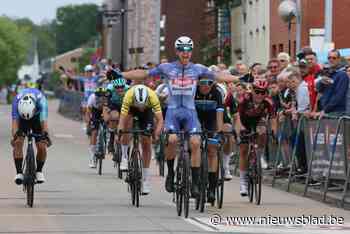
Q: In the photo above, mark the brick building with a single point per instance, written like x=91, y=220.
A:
x=184, y=17
x=312, y=17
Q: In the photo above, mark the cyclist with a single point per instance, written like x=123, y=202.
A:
x=96, y=102
x=143, y=103
x=90, y=83
x=210, y=109
x=30, y=112
x=181, y=78
x=253, y=107
x=117, y=88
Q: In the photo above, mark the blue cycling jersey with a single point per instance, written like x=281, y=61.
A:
x=181, y=81
x=41, y=104
x=90, y=84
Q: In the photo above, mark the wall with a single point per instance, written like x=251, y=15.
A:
x=312, y=17
x=143, y=31
x=183, y=17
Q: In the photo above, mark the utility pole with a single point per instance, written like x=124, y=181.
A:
x=328, y=20
x=298, y=26
x=122, y=14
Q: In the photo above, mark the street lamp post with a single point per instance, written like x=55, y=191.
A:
x=288, y=11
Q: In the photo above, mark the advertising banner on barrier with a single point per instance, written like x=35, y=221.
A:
x=323, y=150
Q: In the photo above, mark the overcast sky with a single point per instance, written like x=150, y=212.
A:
x=36, y=10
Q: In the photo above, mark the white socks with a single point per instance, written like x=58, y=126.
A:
x=243, y=176
x=146, y=172
x=226, y=160
x=125, y=151
x=92, y=151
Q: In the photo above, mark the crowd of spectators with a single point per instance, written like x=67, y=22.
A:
x=297, y=86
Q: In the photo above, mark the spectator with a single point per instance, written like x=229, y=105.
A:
x=348, y=70
x=309, y=78
x=243, y=70
x=274, y=68
x=284, y=60
x=222, y=67
x=334, y=86
x=163, y=60
x=3, y=94
x=311, y=59
x=300, y=88
x=348, y=93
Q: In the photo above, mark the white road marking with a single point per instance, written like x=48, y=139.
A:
x=63, y=136
x=202, y=226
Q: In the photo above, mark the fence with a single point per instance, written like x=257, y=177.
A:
x=70, y=103
x=327, y=152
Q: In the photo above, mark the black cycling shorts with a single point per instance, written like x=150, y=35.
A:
x=144, y=118
x=33, y=124
x=114, y=107
x=96, y=118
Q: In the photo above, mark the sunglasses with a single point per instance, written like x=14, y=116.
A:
x=332, y=58
x=184, y=49
x=119, y=87
x=272, y=67
x=206, y=82
x=259, y=92
x=282, y=60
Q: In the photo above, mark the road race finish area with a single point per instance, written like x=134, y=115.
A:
x=76, y=200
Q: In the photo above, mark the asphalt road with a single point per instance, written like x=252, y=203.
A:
x=76, y=200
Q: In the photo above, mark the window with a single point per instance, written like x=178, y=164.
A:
x=280, y=48
x=274, y=51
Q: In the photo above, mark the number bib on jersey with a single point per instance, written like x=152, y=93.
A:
x=183, y=86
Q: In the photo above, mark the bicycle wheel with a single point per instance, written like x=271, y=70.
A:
x=250, y=188
x=117, y=157
x=30, y=175
x=161, y=160
x=220, y=181
x=101, y=150
x=178, y=187
x=129, y=179
x=137, y=176
x=99, y=162
x=203, y=180
x=186, y=184
x=258, y=180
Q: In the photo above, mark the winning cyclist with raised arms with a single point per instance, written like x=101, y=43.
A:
x=181, y=78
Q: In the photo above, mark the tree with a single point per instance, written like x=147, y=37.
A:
x=44, y=34
x=75, y=26
x=13, y=46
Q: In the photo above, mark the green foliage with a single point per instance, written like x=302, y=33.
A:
x=53, y=82
x=44, y=34
x=85, y=58
x=75, y=26
x=208, y=52
x=13, y=46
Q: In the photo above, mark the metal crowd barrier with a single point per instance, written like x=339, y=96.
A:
x=329, y=156
x=70, y=103
x=327, y=152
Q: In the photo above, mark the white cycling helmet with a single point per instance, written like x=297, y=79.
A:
x=184, y=44
x=140, y=95
x=88, y=68
x=26, y=107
